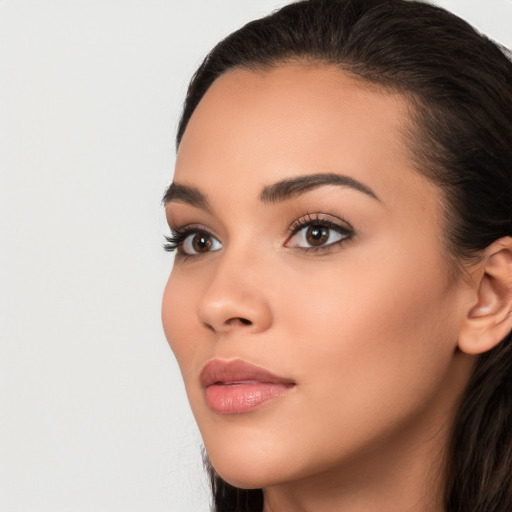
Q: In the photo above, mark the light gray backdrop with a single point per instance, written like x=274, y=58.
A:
x=93, y=415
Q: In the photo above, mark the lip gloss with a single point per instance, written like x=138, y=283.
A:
x=241, y=397
x=235, y=387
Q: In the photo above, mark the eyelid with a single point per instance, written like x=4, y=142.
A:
x=319, y=218
x=338, y=225
x=179, y=235
x=332, y=222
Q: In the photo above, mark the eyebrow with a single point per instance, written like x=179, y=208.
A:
x=291, y=187
x=188, y=195
x=280, y=191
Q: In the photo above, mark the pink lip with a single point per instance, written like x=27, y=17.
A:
x=234, y=387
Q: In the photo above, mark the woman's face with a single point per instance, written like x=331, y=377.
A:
x=311, y=249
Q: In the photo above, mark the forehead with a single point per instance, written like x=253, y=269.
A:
x=253, y=128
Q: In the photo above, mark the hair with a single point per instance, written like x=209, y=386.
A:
x=458, y=85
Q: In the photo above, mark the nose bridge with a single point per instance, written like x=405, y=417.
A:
x=235, y=297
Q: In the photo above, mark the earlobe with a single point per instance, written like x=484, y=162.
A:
x=489, y=319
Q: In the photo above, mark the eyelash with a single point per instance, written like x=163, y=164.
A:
x=318, y=219
x=179, y=235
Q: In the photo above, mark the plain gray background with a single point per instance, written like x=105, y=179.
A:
x=93, y=415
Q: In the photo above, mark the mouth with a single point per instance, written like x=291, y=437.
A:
x=235, y=387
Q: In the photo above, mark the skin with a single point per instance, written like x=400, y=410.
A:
x=366, y=328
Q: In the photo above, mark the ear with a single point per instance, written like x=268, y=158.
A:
x=489, y=317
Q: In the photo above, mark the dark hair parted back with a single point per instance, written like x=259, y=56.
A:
x=458, y=84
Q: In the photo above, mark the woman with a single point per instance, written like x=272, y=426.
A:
x=341, y=300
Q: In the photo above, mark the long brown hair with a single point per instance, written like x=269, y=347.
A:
x=459, y=85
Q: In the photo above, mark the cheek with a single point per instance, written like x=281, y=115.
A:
x=385, y=332
x=370, y=352
x=178, y=314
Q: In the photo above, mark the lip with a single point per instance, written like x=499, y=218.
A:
x=235, y=387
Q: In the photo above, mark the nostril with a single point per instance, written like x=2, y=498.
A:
x=209, y=326
x=238, y=320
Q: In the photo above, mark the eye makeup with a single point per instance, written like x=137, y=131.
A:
x=191, y=241
x=310, y=233
x=318, y=232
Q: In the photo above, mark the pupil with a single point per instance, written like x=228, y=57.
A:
x=202, y=243
x=317, y=235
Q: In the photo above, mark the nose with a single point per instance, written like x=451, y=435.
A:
x=235, y=300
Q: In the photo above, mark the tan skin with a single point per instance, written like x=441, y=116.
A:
x=367, y=318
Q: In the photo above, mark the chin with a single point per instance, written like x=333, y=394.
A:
x=242, y=467
x=257, y=462
x=252, y=450
x=252, y=460
x=248, y=474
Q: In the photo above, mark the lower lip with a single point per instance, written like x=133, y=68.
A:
x=243, y=397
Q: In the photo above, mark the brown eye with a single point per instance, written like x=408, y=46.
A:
x=317, y=235
x=199, y=243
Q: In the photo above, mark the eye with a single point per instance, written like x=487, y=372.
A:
x=199, y=243
x=191, y=242
x=317, y=233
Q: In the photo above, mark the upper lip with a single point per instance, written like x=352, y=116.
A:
x=218, y=371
